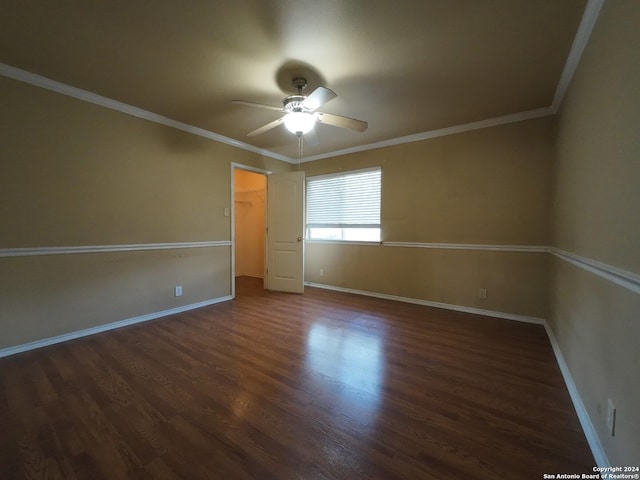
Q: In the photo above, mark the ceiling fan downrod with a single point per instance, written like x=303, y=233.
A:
x=299, y=83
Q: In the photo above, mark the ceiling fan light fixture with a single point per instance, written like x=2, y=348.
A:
x=299, y=122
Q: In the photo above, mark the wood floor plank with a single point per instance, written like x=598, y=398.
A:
x=324, y=385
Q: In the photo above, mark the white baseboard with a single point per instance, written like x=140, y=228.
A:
x=5, y=352
x=428, y=303
x=585, y=421
x=587, y=426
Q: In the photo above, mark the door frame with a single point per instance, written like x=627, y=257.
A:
x=239, y=166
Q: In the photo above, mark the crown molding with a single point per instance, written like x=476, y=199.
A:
x=583, y=33
x=588, y=21
x=589, y=17
x=90, y=97
x=441, y=132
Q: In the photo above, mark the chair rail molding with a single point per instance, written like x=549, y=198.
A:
x=624, y=278
x=34, y=251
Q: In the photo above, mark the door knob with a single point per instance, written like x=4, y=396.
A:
x=299, y=239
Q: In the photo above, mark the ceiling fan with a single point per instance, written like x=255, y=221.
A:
x=300, y=111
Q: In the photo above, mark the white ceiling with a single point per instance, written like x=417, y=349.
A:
x=410, y=68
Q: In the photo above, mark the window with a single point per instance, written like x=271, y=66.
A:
x=344, y=206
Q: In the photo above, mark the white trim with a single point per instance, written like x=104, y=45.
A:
x=428, y=303
x=583, y=416
x=362, y=243
x=240, y=166
x=583, y=33
x=90, y=97
x=5, y=352
x=470, y=246
x=343, y=173
x=589, y=17
x=598, y=452
x=80, y=94
x=624, y=278
x=441, y=132
x=29, y=252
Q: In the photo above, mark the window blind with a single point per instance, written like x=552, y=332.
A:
x=345, y=200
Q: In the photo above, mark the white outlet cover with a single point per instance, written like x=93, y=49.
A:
x=178, y=290
x=611, y=417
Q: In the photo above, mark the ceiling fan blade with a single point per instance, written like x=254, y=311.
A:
x=318, y=97
x=311, y=138
x=258, y=105
x=342, y=122
x=266, y=127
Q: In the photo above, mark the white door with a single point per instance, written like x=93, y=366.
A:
x=285, y=232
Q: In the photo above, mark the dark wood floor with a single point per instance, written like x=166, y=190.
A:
x=323, y=385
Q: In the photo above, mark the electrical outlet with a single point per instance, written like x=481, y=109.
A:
x=482, y=293
x=322, y=272
x=611, y=417
x=178, y=290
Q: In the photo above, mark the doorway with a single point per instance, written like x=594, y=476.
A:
x=249, y=219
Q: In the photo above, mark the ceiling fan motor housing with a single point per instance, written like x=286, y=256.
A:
x=300, y=111
x=293, y=103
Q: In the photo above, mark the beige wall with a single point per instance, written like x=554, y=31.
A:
x=487, y=187
x=517, y=283
x=250, y=190
x=597, y=216
x=50, y=295
x=76, y=174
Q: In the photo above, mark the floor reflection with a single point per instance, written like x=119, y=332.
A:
x=350, y=365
